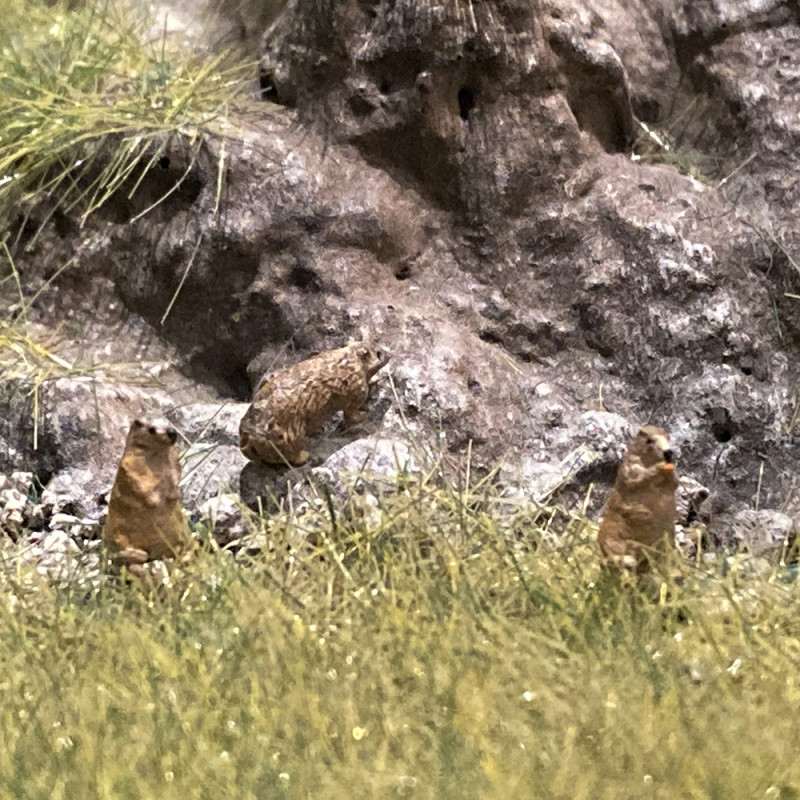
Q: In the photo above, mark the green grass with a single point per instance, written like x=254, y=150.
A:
x=89, y=100
x=434, y=646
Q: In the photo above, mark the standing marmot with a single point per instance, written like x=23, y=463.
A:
x=145, y=518
x=640, y=513
x=297, y=400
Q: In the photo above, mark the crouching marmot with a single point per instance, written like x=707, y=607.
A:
x=639, y=517
x=145, y=518
x=296, y=401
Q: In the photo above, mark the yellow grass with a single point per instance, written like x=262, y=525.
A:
x=434, y=646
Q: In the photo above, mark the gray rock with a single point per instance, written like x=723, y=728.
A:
x=55, y=554
x=472, y=185
x=17, y=482
x=607, y=432
x=14, y=503
x=86, y=420
x=77, y=491
x=538, y=479
x=373, y=457
x=227, y=517
x=213, y=23
x=209, y=470
x=366, y=467
x=216, y=423
x=763, y=532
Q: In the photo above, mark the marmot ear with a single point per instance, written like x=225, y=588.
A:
x=137, y=423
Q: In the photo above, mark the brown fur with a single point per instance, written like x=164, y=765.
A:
x=639, y=517
x=145, y=518
x=296, y=401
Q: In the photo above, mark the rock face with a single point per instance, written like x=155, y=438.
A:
x=543, y=210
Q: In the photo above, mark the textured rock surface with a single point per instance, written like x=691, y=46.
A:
x=460, y=181
x=226, y=518
x=762, y=532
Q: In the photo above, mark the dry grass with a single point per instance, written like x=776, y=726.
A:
x=432, y=644
x=89, y=99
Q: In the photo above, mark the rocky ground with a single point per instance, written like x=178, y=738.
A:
x=563, y=221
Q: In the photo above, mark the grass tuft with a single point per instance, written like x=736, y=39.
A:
x=89, y=99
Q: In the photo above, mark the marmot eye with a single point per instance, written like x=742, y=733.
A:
x=152, y=430
x=650, y=440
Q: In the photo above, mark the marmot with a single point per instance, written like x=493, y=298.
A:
x=297, y=400
x=145, y=518
x=640, y=513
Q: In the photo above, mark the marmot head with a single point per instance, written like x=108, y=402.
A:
x=373, y=358
x=157, y=434
x=651, y=446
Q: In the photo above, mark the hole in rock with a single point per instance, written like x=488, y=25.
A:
x=44, y=471
x=466, y=102
x=63, y=225
x=267, y=89
x=490, y=336
x=304, y=278
x=722, y=426
x=646, y=108
x=597, y=112
x=237, y=379
x=229, y=377
x=163, y=191
x=368, y=7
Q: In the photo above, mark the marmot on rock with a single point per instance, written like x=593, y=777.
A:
x=297, y=400
x=639, y=517
x=145, y=517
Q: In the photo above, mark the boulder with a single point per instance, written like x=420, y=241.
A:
x=562, y=221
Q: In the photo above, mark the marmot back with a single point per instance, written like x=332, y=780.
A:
x=145, y=518
x=297, y=400
x=640, y=513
